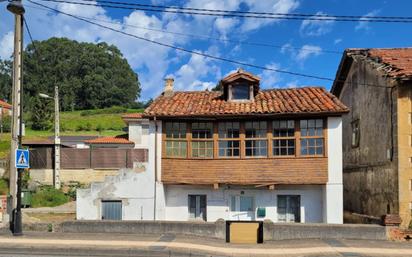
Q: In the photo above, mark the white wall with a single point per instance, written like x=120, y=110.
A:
x=218, y=201
x=333, y=190
x=133, y=188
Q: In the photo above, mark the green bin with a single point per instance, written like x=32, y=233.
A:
x=261, y=212
x=26, y=197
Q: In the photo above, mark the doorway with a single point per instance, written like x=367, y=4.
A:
x=288, y=208
x=242, y=207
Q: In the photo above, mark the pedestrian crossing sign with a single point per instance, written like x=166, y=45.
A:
x=22, y=159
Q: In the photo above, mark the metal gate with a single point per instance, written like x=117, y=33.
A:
x=111, y=210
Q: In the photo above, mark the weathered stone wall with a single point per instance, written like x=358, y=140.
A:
x=84, y=176
x=370, y=170
x=405, y=152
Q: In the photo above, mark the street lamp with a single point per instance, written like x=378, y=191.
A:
x=56, y=175
x=17, y=9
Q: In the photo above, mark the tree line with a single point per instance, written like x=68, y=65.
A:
x=89, y=76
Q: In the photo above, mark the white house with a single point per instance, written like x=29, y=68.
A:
x=241, y=153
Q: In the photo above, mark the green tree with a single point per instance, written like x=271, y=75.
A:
x=5, y=80
x=41, y=115
x=88, y=75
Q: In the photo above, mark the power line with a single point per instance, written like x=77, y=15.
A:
x=259, y=44
x=187, y=50
x=210, y=56
x=237, y=14
x=31, y=37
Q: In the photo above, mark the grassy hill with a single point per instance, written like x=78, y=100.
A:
x=103, y=122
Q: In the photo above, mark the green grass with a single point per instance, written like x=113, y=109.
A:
x=48, y=196
x=102, y=122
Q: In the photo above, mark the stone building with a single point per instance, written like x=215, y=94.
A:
x=376, y=84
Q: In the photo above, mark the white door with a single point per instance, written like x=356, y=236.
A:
x=242, y=207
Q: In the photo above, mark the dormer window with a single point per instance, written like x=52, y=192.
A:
x=240, y=86
x=241, y=92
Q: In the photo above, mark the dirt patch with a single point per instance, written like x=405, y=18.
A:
x=48, y=217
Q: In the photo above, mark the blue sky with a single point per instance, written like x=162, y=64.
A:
x=191, y=72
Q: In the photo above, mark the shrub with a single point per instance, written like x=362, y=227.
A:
x=4, y=187
x=88, y=126
x=6, y=123
x=48, y=196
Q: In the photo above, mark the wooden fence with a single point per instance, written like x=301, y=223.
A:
x=101, y=158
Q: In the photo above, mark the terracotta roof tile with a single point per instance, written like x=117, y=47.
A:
x=305, y=100
x=400, y=59
x=132, y=116
x=5, y=104
x=109, y=140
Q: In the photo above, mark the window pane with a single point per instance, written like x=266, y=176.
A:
x=202, y=130
x=240, y=92
x=246, y=203
x=175, y=130
x=284, y=128
x=229, y=129
x=255, y=129
x=228, y=148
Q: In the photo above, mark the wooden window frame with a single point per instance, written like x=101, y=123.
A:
x=323, y=137
x=242, y=140
x=165, y=139
x=246, y=139
x=294, y=137
x=192, y=140
x=238, y=139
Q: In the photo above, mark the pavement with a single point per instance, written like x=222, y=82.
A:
x=70, y=244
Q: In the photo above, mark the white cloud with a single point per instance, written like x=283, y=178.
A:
x=337, y=41
x=269, y=79
x=276, y=6
x=303, y=53
x=307, y=51
x=365, y=25
x=6, y=45
x=316, y=27
x=189, y=76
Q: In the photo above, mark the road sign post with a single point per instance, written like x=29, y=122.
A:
x=22, y=159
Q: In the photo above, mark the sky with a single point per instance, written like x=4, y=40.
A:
x=300, y=44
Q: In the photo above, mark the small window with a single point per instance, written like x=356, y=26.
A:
x=283, y=137
x=229, y=141
x=312, y=141
x=240, y=92
x=175, y=143
x=202, y=139
x=355, y=133
x=246, y=204
x=197, y=207
x=288, y=208
x=255, y=142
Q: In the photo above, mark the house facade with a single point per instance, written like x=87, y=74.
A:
x=377, y=134
x=239, y=154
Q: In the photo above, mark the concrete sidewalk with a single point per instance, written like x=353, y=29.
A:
x=198, y=246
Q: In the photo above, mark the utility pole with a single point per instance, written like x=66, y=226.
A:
x=17, y=9
x=56, y=179
x=56, y=170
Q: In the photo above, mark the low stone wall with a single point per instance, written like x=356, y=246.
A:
x=85, y=176
x=279, y=231
x=217, y=230
x=198, y=229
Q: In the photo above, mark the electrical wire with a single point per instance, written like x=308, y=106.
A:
x=224, y=13
x=187, y=50
x=259, y=44
x=207, y=55
x=30, y=35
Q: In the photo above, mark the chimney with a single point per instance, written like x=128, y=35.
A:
x=168, y=92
